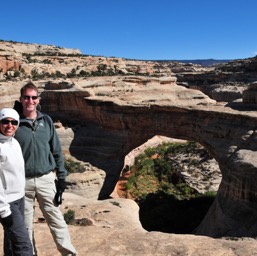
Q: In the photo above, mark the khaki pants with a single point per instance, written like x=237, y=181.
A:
x=43, y=188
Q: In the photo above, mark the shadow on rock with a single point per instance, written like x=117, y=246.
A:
x=165, y=213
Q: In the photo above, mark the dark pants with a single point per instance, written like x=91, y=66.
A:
x=16, y=238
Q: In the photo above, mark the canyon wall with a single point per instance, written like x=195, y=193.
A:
x=113, y=120
x=111, y=115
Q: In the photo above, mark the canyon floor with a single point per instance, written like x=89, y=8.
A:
x=113, y=228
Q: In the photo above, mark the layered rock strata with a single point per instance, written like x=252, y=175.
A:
x=117, y=114
x=222, y=82
x=110, y=116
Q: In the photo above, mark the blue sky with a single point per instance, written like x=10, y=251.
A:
x=137, y=29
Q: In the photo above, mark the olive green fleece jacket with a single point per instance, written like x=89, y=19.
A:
x=40, y=146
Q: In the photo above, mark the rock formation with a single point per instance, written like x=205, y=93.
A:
x=108, y=116
x=19, y=60
x=112, y=226
x=222, y=82
x=117, y=114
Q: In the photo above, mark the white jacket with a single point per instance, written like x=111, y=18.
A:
x=12, y=173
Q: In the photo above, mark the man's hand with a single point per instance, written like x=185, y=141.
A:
x=58, y=198
x=60, y=187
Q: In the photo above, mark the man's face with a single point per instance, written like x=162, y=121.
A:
x=29, y=100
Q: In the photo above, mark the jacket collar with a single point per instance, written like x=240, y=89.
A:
x=4, y=138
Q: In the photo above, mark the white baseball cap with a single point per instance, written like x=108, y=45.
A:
x=9, y=112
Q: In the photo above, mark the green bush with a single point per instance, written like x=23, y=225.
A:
x=73, y=166
x=166, y=202
x=156, y=170
x=69, y=216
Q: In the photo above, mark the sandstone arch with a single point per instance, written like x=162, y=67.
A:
x=125, y=116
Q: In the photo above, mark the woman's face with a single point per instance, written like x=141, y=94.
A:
x=8, y=126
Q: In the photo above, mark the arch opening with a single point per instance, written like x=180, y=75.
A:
x=173, y=181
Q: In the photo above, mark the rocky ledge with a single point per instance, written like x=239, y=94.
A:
x=104, y=118
x=113, y=226
x=118, y=114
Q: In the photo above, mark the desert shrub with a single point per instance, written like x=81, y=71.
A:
x=69, y=216
x=156, y=170
x=167, y=203
x=73, y=166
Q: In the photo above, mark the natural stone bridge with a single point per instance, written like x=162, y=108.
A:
x=114, y=115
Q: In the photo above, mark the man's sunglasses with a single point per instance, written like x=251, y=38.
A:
x=6, y=121
x=26, y=97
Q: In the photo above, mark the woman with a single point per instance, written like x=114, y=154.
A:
x=12, y=187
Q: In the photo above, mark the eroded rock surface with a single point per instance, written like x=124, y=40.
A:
x=111, y=116
x=113, y=226
x=117, y=114
x=105, y=117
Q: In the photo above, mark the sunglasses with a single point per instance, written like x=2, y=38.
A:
x=6, y=121
x=26, y=97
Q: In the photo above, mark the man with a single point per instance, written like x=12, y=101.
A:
x=43, y=164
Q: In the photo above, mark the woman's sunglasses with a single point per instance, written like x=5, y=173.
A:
x=6, y=121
